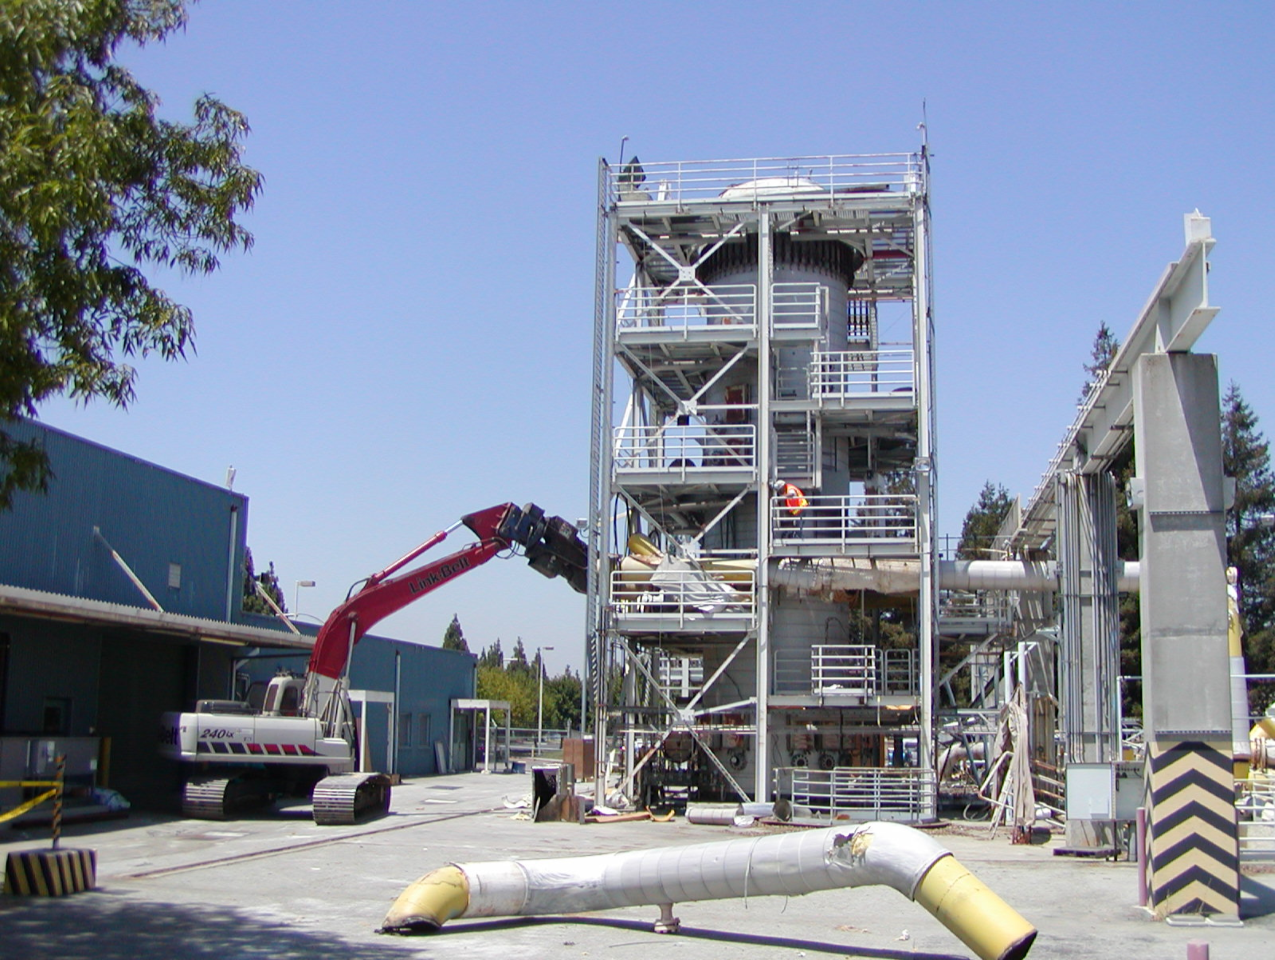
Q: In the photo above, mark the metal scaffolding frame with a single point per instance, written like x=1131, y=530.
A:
x=706, y=389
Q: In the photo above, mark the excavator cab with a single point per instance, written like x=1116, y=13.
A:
x=283, y=697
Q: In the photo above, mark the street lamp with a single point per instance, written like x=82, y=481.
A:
x=540, y=700
x=296, y=595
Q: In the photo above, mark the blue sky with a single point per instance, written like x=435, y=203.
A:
x=409, y=339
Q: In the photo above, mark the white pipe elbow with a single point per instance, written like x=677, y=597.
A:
x=789, y=864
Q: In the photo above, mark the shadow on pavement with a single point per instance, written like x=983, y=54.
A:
x=717, y=936
x=1257, y=899
x=106, y=925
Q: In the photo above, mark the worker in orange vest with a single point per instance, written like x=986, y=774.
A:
x=794, y=499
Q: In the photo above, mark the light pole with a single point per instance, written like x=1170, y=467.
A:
x=296, y=595
x=540, y=699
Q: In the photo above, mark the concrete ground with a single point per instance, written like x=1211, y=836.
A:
x=279, y=887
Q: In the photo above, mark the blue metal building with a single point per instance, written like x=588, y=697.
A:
x=121, y=598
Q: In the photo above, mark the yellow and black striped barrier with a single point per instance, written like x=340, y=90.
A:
x=47, y=873
x=50, y=873
x=1195, y=860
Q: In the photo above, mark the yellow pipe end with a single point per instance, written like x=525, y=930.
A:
x=640, y=546
x=427, y=904
x=965, y=905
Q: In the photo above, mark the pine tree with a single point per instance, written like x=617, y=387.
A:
x=1104, y=350
x=454, y=636
x=1250, y=537
x=518, y=659
x=492, y=656
x=982, y=522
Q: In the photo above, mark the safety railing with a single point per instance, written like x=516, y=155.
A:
x=790, y=672
x=52, y=790
x=682, y=308
x=680, y=677
x=1255, y=812
x=980, y=605
x=799, y=306
x=898, y=672
x=677, y=598
x=765, y=178
x=845, y=522
x=529, y=741
x=847, y=374
x=845, y=670
x=859, y=794
x=981, y=613
x=685, y=449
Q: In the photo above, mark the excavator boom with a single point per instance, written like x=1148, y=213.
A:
x=551, y=544
x=247, y=757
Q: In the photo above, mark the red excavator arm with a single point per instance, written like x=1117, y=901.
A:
x=551, y=545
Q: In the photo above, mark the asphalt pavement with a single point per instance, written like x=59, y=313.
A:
x=277, y=886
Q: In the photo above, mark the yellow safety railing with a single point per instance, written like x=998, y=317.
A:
x=34, y=802
x=54, y=793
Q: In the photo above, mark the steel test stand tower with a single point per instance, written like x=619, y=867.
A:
x=764, y=321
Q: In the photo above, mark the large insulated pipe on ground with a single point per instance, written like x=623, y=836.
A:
x=787, y=864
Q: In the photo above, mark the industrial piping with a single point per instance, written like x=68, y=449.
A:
x=899, y=576
x=1019, y=575
x=788, y=864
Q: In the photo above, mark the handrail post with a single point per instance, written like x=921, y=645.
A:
x=57, y=799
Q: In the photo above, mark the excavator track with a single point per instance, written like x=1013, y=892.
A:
x=217, y=798
x=351, y=797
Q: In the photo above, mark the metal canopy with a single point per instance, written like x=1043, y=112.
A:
x=1175, y=316
x=24, y=602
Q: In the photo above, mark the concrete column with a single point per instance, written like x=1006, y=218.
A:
x=1194, y=845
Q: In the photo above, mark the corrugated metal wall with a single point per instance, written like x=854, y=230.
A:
x=114, y=682
x=159, y=521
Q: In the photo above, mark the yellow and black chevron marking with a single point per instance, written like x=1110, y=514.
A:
x=50, y=873
x=1195, y=856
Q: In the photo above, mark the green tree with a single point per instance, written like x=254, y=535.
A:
x=982, y=522
x=492, y=656
x=269, y=582
x=1250, y=538
x=518, y=659
x=94, y=187
x=454, y=636
x=1105, y=346
x=518, y=689
x=562, y=700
